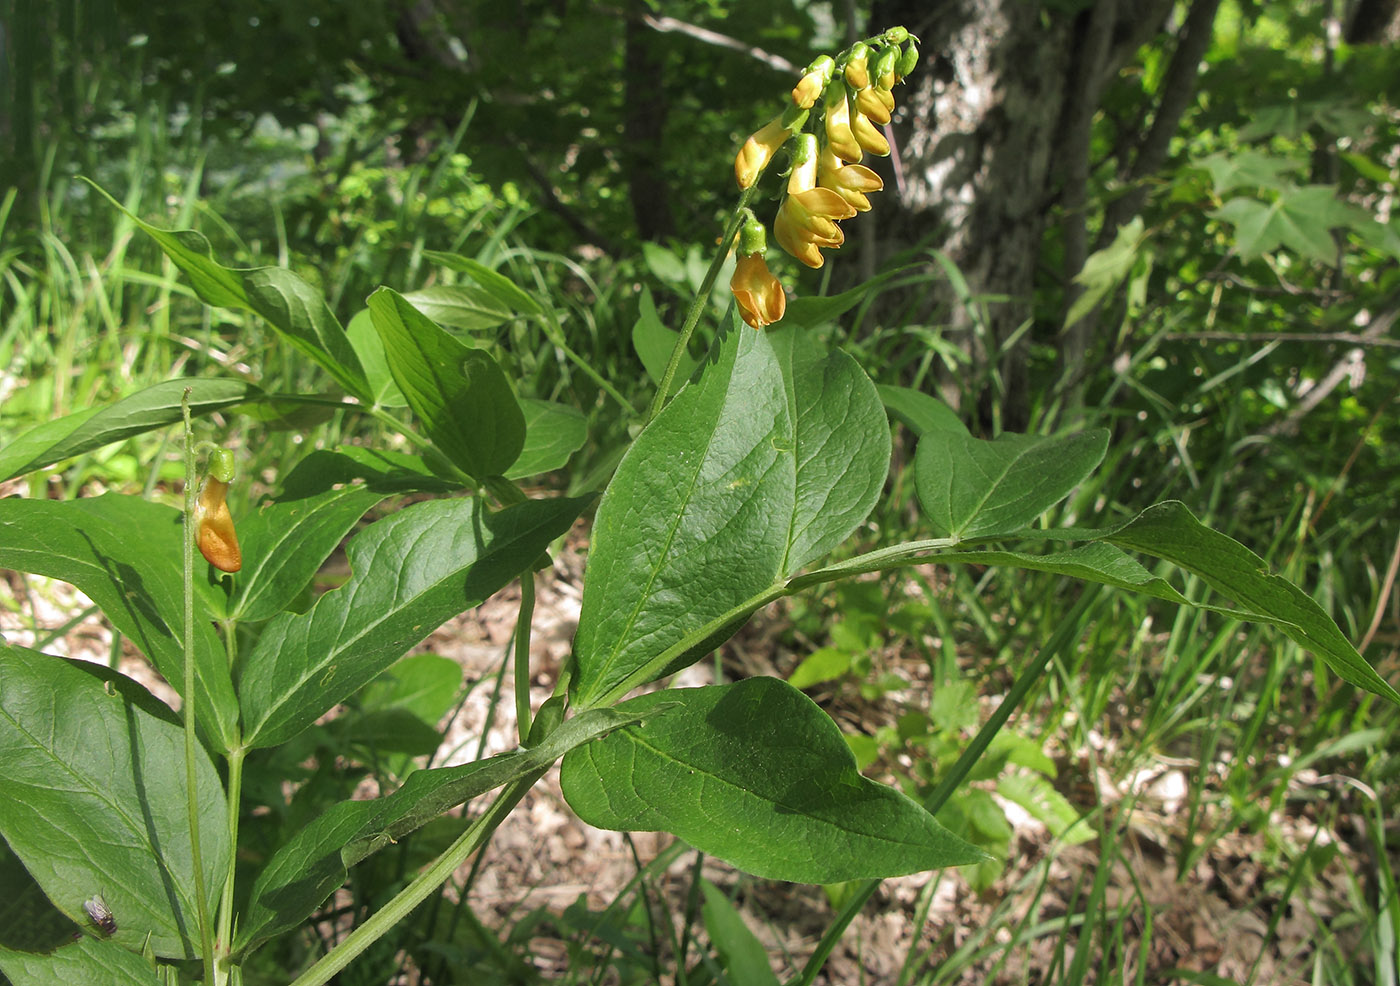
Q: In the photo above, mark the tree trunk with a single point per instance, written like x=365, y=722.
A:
x=994, y=126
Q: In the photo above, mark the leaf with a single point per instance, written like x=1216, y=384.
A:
x=423, y=685
x=974, y=488
x=362, y=335
x=1105, y=269
x=770, y=460
x=410, y=572
x=383, y=470
x=126, y=554
x=743, y=955
x=919, y=412
x=314, y=862
x=82, y=963
x=811, y=312
x=286, y=540
x=553, y=433
x=654, y=342
x=459, y=306
x=1168, y=530
x=1040, y=799
x=290, y=305
x=756, y=774
x=28, y=921
x=494, y=283
x=1301, y=219
x=93, y=427
x=95, y=789
x=460, y=394
x=1246, y=168
x=825, y=664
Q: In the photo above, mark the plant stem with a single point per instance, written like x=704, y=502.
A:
x=188, y=709
x=522, y=654
x=424, y=884
x=697, y=305
x=226, y=905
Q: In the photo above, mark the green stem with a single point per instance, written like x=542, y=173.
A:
x=226, y=905
x=697, y=305
x=188, y=709
x=383, y=920
x=522, y=655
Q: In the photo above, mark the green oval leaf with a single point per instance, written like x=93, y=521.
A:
x=756, y=774
x=974, y=488
x=768, y=461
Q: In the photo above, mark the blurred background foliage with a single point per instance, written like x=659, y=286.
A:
x=1207, y=261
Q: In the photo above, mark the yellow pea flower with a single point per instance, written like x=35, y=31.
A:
x=813, y=81
x=871, y=102
x=867, y=136
x=839, y=136
x=760, y=296
x=214, y=532
x=850, y=181
x=758, y=150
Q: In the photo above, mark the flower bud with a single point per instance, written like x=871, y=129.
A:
x=857, y=74
x=804, y=164
x=907, y=60
x=895, y=36
x=814, y=80
x=758, y=150
x=867, y=136
x=214, y=532
x=871, y=103
x=885, y=67
x=838, y=126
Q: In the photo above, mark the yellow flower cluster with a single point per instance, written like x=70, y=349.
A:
x=826, y=182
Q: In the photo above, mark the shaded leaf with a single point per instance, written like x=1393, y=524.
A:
x=363, y=336
x=314, y=862
x=756, y=774
x=494, y=283
x=82, y=963
x=553, y=433
x=974, y=488
x=95, y=789
x=744, y=957
x=410, y=572
x=286, y=540
x=918, y=411
x=460, y=394
x=1105, y=269
x=1301, y=219
x=811, y=312
x=654, y=342
x=459, y=306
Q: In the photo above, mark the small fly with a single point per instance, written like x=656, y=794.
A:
x=100, y=914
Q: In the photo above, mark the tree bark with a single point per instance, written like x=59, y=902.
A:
x=993, y=124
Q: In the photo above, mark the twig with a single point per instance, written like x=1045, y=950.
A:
x=669, y=24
